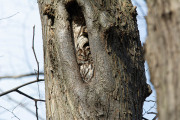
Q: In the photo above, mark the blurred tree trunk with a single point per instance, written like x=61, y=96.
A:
x=116, y=87
x=163, y=55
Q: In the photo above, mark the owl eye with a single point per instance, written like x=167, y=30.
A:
x=86, y=44
x=87, y=48
x=82, y=42
x=85, y=34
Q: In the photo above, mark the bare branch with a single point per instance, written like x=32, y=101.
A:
x=152, y=113
x=9, y=16
x=22, y=105
x=36, y=110
x=150, y=101
x=155, y=117
x=10, y=112
x=35, y=58
x=26, y=95
x=35, y=100
x=16, y=88
x=20, y=76
x=146, y=112
x=35, y=52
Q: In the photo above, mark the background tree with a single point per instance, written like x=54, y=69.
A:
x=163, y=54
x=117, y=88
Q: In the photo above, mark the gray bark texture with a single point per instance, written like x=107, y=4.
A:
x=163, y=55
x=93, y=60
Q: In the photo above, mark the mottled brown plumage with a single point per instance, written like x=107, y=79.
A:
x=83, y=53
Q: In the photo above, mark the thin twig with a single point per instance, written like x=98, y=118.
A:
x=20, y=76
x=155, y=117
x=36, y=110
x=150, y=101
x=152, y=113
x=35, y=52
x=22, y=105
x=16, y=88
x=35, y=100
x=10, y=112
x=35, y=58
x=9, y=16
x=24, y=94
x=146, y=112
x=37, y=71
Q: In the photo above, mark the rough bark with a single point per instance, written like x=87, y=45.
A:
x=163, y=55
x=118, y=86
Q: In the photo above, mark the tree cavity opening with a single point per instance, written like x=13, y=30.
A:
x=81, y=41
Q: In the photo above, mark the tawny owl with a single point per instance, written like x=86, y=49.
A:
x=84, y=58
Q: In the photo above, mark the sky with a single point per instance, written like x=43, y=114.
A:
x=16, y=57
x=17, y=18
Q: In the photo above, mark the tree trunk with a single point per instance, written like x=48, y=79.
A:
x=163, y=55
x=94, y=65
